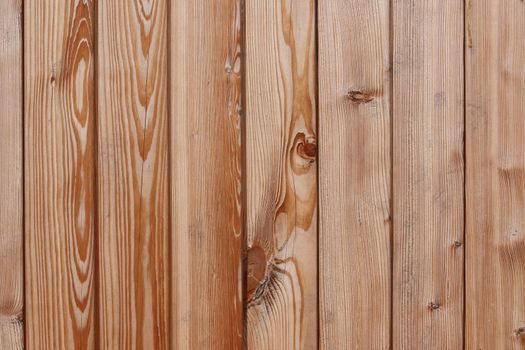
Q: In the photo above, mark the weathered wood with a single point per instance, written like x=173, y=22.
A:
x=281, y=180
x=133, y=187
x=354, y=173
x=428, y=209
x=11, y=177
x=205, y=141
x=59, y=174
x=495, y=192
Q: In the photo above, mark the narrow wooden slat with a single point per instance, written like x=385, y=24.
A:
x=59, y=173
x=281, y=180
x=11, y=216
x=495, y=192
x=428, y=209
x=133, y=187
x=354, y=174
x=205, y=141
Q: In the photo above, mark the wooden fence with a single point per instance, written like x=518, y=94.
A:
x=262, y=174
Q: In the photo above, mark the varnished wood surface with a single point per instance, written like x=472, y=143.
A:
x=59, y=174
x=281, y=179
x=495, y=187
x=133, y=189
x=354, y=174
x=206, y=203
x=428, y=163
x=11, y=177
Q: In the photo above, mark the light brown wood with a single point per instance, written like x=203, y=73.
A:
x=133, y=187
x=59, y=174
x=354, y=174
x=428, y=209
x=495, y=191
x=11, y=177
x=205, y=141
x=281, y=180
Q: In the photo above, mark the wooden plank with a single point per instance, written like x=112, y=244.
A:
x=11, y=177
x=205, y=141
x=133, y=187
x=495, y=192
x=428, y=208
x=354, y=173
x=59, y=174
x=281, y=179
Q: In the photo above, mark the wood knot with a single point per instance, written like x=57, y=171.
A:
x=303, y=153
x=307, y=148
x=256, y=258
x=518, y=332
x=359, y=96
x=432, y=306
x=457, y=244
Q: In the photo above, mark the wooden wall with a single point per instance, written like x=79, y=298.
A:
x=245, y=174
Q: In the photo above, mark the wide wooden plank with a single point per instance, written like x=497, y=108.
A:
x=495, y=192
x=428, y=208
x=11, y=178
x=133, y=187
x=354, y=173
x=205, y=141
x=59, y=173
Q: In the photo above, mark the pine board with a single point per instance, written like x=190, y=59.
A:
x=495, y=186
x=59, y=164
x=11, y=177
x=133, y=175
x=428, y=180
x=206, y=201
x=354, y=174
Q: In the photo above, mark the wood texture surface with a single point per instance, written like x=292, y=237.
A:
x=11, y=177
x=205, y=141
x=428, y=207
x=354, y=174
x=133, y=188
x=495, y=187
x=59, y=174
x=281, y=179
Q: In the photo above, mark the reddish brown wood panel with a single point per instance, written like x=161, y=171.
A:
x=133, y=188
x=59, y=174
x=206, y=204
x=11, y=177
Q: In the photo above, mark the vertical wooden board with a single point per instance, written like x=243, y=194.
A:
x=59, y=173
x=205, y=141
x=495, y=191
x=428, y=207
x=11, y=177
x=354, y=174
x=281, y=180
x=133, y=188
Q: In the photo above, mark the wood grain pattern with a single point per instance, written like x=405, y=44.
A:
x=59, y=173
x=205, y=141
x=11, y=177
x=495, y=191
x=354, y=173
x=281, y=180
x=428, y=210
x=133, y=188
